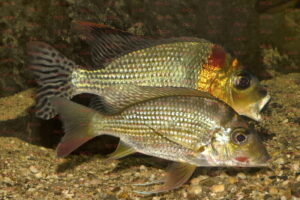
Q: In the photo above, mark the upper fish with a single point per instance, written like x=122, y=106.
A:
x=122, y=58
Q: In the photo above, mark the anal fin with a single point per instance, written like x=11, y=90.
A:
x=121, y=151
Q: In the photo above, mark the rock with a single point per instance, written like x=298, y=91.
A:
x=273, y=190
x=241, y=175
x=143, y=168
x=298, y=178
x=38, y=175
x=195, y=190
x=232, y=180
x=218, y=188
x=33, y=169
x=279, y=161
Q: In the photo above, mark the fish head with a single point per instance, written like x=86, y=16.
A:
x=237, y=145
x=225, y=78
x=247, y=96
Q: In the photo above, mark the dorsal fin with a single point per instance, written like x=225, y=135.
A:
x=108, y=43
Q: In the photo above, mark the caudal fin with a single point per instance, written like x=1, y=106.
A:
x=77, y=125
x=52, y=72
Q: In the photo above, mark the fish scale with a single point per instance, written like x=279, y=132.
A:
x=155, y=72
x=194, y=128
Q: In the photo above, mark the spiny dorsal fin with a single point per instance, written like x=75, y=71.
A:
x=108, y=43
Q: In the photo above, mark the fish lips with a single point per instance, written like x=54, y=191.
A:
x=254, y=108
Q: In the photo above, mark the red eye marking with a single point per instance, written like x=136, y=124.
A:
x=241, y=159
x=217, y=57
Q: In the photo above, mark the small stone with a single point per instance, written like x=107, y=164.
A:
x=218, y=188
x=195, y=181
x=285, y=183
x=33, y=169
x=31, y=190
x=38, y=175
x=295, y=167
x=273, y=190
x=232, y=180
x=67, y=194
x=156, y=198
x=7, y=180
x=95, y=181
x=279, y=161
x=143, y=168
x=184, y=194
x=283, y=198
x=196, y=190
x=298, y=178
x=241, y=175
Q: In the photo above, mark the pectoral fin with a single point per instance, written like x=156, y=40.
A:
x=121, y=151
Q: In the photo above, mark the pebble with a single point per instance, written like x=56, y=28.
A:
x=279, y=161
x=67, y=194
x=196, y=190
x=241, y=175
x=232, y=180
x=7, y=180
x=218, y=188
x=143, y=168
x=33, y=169
x=273, y=190
x=298, y=178
x=156, y=198
x=295, y=166
x=38, y=175
x=196, y=181
x=184, y=194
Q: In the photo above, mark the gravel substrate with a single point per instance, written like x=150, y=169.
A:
x=33, y=172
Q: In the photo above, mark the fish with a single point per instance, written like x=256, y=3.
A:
x=191, y=131
x=121, y=58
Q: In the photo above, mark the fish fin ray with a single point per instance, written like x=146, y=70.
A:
x=177, y=175
x=52, y=72
x=108, y=43
x=122, y=150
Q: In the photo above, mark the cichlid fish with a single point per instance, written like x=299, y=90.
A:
x=123, y=58
x=189, y=130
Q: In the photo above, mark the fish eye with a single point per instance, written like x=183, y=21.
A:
x=239, y=136
x=242, y=80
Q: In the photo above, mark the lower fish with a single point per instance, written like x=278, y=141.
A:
x=192, y=131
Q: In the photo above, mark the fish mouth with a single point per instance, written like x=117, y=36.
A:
x=263, y=102
x=255, y=108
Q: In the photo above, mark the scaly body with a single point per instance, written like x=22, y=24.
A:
x=121, y=58
x=190, y=130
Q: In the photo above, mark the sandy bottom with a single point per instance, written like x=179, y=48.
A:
x=30, y=171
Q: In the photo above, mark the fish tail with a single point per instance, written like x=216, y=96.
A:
x=52, y=72
x=77, y=123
